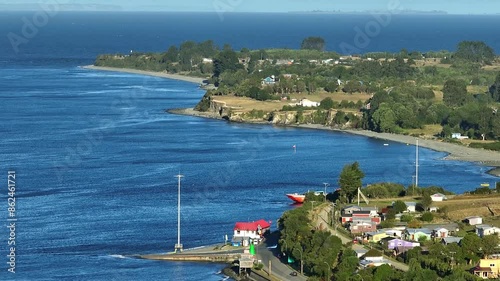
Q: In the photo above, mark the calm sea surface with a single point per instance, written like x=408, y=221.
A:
x=95, y=154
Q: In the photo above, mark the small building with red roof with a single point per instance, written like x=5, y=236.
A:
x=250, y=230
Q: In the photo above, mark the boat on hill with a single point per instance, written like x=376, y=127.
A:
x=299, y=198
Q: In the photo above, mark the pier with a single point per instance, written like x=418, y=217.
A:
x=218, y=254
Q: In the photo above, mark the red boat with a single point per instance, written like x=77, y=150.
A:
x=299, y=198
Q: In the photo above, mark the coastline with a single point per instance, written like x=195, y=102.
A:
x=455, y=152
x=190, y=79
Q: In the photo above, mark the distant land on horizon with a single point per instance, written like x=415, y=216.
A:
x=159, y=8
x=401, y=12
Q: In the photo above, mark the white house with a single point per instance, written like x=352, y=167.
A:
x=308, y=103
x=438, y=197
x=458, y=136
x=433, y=209
x=484, y=229
x=207, y=60
x=394, y=232
x=411, y=207
x=473, y=220
x=250, y=230
x=373, y=258
x=440, y=232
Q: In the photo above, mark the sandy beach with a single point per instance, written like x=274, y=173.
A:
x=190, y=79
x=456, y=152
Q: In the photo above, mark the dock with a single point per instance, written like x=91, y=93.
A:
x=216, y=254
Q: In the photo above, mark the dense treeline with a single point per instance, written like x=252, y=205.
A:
x=404, y=94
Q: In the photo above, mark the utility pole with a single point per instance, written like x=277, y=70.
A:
x=326, y=185
x=416, y=165
x=178, y=246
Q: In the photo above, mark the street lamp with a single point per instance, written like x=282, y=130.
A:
x=301, y=261
x=328, y=272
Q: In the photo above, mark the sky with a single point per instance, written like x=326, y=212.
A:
x=449, y=6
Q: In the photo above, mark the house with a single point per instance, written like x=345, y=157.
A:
x=415, y=234
x=458, y=136
x=360, y=252
x=449, y=240
x=362, y=227
x=394, y=232
x=346, y=218
x=484, y=229
x=438, y=197
x=473, y=220
x=411, y=207
x=284, y=62
x=373, y=211
x=308, y=103
x=394, y=243
x=350, y=209
x=271, y=80
x=207, y=60
x=376, y=236
x=440, y=232
x=250, y=230
x=373, y=258
x=433, y=209
x=487, y=268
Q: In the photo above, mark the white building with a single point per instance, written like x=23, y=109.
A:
x=438, y=197
x=484, y=230
x=473, y=220
x=411, y=207
x=250, y=230
x=308, y=103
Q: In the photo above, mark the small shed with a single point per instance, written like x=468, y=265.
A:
x=473, y=220
x=438, y=197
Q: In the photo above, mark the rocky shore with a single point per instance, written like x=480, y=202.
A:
x=456, y=152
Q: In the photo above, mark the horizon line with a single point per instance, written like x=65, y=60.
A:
x=403, y=12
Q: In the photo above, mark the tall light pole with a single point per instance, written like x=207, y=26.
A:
x=326, y=185
x=178, y=246
x=416, y=165
x=301, y=262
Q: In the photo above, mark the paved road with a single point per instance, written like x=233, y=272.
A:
x=278, y=269
x=321, y=222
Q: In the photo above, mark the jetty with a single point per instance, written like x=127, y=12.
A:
x=214, y=253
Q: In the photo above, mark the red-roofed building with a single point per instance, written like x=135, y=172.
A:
x=251, y=230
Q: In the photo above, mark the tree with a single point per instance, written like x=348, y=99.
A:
x=426, y=201
x=399, y=206
x=313, y=43
x=470, y=246
x=384, y=119
x=226, y=60
x=454, y=92
x=489, y=244
x=495, y=89
x=475, y=51
x=326, y=103
x=350, y=180
x=427, y=217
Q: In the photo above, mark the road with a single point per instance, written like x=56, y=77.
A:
x=321, y=222
x=278, y=269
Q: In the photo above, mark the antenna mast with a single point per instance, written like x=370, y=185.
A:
x=416, y=165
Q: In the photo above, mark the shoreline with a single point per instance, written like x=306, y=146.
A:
x=455, y=152
x=190, y=79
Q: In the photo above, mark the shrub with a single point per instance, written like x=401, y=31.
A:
x=406, y=218
x=427, y=217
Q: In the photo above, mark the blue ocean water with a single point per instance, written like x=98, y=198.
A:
x=95, y=153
